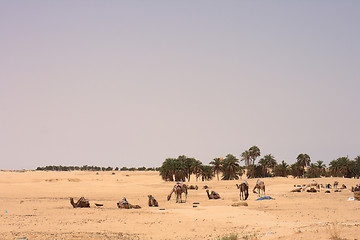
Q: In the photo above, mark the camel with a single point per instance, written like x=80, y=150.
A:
x=192, y=187
x=336, y=183
x=260, y=185
x=312, y=189
x=244, y=190
x=178, y=189
x=152, y=201
x=312, y=184
x=296, y=190
x=125, y=204
x=356, y=188
x=81, y=203
x=213, y=195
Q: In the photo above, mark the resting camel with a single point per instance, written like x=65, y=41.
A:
x=312, y=184
x=244, y=190
x=260, y=185
x=125, y=204
x=213, y=195
x=192, y=187
x=178, y=189
x=81, y=203
x=356, y=188
x=152, y=201
x=296, y=190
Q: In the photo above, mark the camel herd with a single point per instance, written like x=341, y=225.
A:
x=179, y=189
x=314, y=186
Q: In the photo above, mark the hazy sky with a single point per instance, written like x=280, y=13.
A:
x=131, y=83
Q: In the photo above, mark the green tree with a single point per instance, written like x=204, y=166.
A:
x=282, y=169
x=268, y=161
x=230, y=167
x=206, y=172
x=245, y=156
x=254, y=152
x=303, y=160
x=217, y=165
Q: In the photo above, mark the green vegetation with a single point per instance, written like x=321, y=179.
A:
x=229, y=168
x=92, y=168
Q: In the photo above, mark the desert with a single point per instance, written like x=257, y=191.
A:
x=36, y=205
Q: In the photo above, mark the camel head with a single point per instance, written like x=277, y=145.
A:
x=168, y=197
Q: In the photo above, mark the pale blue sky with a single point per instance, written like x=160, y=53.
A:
x=130, y=83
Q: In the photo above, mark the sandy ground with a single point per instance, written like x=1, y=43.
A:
x=35, y=205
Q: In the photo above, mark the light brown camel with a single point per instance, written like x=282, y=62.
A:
x=260, y=185
x=125, y=204
x=152, y=201
x=212, y=195
x=244, y=190
x=296, y=190
x=178, y=189
x=81, y=203
x=312, y=184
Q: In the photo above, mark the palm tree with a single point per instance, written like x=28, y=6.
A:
x=216, y=166
x=268, y=161
x=303, y=160
x=254, y=152
x=282, y=169
x=320, y=167
x=245, y=156
x=231, y=168
x=197, y=168
x=206, y=172
x=313, y=171
x=167, y=169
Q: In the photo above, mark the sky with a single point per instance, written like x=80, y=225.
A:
x=131, y=83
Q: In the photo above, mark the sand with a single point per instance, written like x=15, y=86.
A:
x=35, y=205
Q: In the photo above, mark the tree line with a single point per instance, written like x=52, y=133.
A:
x=94, y=168
x=229, y=168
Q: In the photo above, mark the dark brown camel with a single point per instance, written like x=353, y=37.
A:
x=244, y=190
x=152, y=201
x=125, y=204
x=178, y=189
x=81, y=203
x=192, y=187
x=213, y=195
x=260, y=185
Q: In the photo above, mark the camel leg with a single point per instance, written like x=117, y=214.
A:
x=169, y=196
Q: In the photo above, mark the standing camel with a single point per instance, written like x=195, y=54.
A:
x=178, y=189
x=244, y=190
x=260, y=185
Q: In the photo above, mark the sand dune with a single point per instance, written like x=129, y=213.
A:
x=35, y=204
